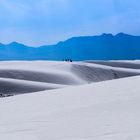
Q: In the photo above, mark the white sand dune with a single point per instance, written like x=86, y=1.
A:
x=18, y=77
x=13, y=87
x=46, y=77
x=122, y=64
x=101, y=111
x=91, y=72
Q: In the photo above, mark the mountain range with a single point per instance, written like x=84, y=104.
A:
x=102, y=47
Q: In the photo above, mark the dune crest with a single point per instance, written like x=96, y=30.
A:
x=18, y=77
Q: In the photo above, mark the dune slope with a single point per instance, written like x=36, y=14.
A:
x=101, y=111
x=18, y=77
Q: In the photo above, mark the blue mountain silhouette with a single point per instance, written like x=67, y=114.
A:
x=103, y=47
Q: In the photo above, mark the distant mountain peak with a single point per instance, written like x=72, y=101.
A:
x=14, y=43
x=107, y=34
x=122, y=34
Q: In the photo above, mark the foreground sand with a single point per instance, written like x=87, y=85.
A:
x=107, y=110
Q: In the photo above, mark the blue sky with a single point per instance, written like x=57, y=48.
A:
x=39, y=22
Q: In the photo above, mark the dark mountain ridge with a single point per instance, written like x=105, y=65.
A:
x=104, y=47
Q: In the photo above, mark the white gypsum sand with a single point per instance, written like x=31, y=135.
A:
x=107, y=110
x=18, y=77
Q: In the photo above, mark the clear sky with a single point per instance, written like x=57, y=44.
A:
x=39, y=22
